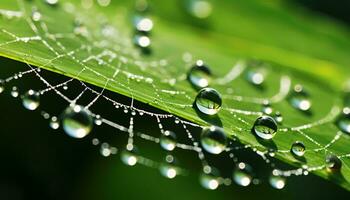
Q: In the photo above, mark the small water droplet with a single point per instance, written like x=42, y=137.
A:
x=333, y=163
x=267, y=109
x=168, y=140
x=76, y=121
x=143, y=24
x=298, y=148
x=14, y=92
x=141, y=5
x=210, y=179
x=200, y=75
x=343, y=121
x=256, y=78
x=208, y=101
x=199, y=8
x=105, y=149
x=142, y=41
x=36, y=15
x=278, y=117
x=129, y=157
x=95, y=141
x=54, y=124
x=98, y=120
x=65, y=87
x=299, y=98
x=31, y=100
x=265, y=127
x=242, y=175
x=213, y=139
x=277, y=182
x=168, y=168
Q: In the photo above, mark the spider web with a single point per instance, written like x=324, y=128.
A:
x=122, y=68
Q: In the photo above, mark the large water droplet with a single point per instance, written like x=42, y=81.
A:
x=77, y=121
x=199, y=75
x=343, y=121
x=265, y=127
x=168, y=140
x=277, y=182
x=213, y=139
x=242, y=175
x=168, y=168
x=129, y=157
x=299, y=98
x=31, y=100
x=208, y=101
x=209, y=179
x=298, y=148
x=199, y=8
x=333, y=163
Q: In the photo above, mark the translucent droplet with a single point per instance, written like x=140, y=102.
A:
x=129, y=157
x=299, y=99
x=31, y=100
x=242, y=175
x=200, y=75
x=333, y=163
x=200, y=8
x=208, y=101
x=14, y=92
x=168, y=168
x=168, y=140
x=51, y=2
x=2, y=86
x=213, y=139
x=54, y=124
x=105, y=150
x=98, y=120
x=267, y=109
x=343, y=121
x=36, y=15
x=255, y=77
x=76, y=121
x=209, y=179
x=265, y=127
x=143, y=24
x=298, y=148
x=142, y=41
x=278, y=117
x=277, y=182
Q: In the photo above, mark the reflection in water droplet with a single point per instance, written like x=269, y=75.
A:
x=31, y=100
x=277, y=182
x=168, y=168
x=54, y=124
x=213, y=139
x=208, y=101
x=76, y=121
x=333, y=163
x=14, y=92
x=265, y=127
x=209, y=179
x=299, y=98
x=242, y=175
x=199, y=8
x=298, y=148
x=168, y=140
x=343, y=121
x=199, y=75
x=129, y=157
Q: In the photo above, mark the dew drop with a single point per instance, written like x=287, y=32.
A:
x=168, y=168
x=333, y=163
x=242, y=175
x=199, y=75
x=52, y=2
x=343, y=121
x=278, y=117
x=267, y=109
x=77, y=121
x=142, y=41
x=213, y=139
x=299, y=98
x=36, y=15
x=129, y=157
x=208, y=101
x=209, y=179
x=277, y=182
x=31, y=100
x=2, y=86
x=143, y=24
x=265, y=127
x=14, y=92
x=98, y=120
x=256, y=78
x=298, y=148
x=200, y=8
x=54, y=124
x=105, y=150
x=168, y=140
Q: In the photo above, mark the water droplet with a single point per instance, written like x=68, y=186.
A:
x=213, y=139
x=256, y=78
x=210, y=179
x=199, y=75
x=105, y=149
x=65, y=87
x=343, y=121
x=242, y=175
x=14, y=92
x=168, y=140
x=299, y=98
x=333, y=163
x=200, y=8
x=31, y=100
x=129, y=157
x=143, y=24
x=76, y=121
x=208, y=101
x=98, y=120
x=265, y=127
x=277, y=182
x=36, y=15
x=298, y=148
x=95, y=141
x=278, y=117
x=54, y=124
x=142, y=41
x=2, y=86
x=52, y=2
x=168, y=168
x=141, y=5
x=267, y=109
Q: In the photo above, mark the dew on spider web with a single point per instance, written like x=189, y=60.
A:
x=76, y=121
x=243, y=174
x=277, y=182
x=343, y=121
x=210, y=179
x=168, y=140
x=31, y=100
x=333, y=163
x=168, y=167
x=214, y=139
x=2, y=86
x=14, y=92
x=54, y=123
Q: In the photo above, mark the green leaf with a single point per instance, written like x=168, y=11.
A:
x=298, y=49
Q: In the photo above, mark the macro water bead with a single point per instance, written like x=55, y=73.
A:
x=208, y=101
